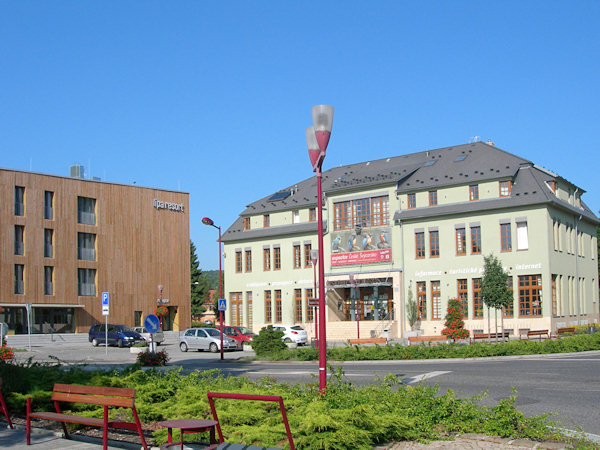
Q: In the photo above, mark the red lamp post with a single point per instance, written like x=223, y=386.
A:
x=317, y=138
x=209, y=222
x=314, y=256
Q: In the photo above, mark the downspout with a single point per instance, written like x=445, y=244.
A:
x=403, y=301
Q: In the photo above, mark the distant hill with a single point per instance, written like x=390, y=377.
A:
x=212, y=276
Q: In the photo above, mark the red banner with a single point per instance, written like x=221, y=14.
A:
x=371, y=256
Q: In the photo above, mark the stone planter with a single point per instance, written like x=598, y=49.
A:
x=291, y=345
x=137, y=349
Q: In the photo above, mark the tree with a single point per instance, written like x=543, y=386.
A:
x=198, y=282
x=412, y=311
x=455, y=325
x=494, y=288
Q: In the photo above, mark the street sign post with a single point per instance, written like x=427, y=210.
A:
x=152, y=324
x=222, y=304
x=105, y=310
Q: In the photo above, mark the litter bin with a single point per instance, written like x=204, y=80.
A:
x=386, y=333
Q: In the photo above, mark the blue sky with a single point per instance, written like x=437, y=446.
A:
x=212, y=98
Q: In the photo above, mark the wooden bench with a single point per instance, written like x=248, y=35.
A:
x=532, y=333
x=494, y=336
x=367, y=341
x=91, y=395
x=417, y=339
x=3, y=407
x=565, y=331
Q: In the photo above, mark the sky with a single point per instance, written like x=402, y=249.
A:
x=213, y=98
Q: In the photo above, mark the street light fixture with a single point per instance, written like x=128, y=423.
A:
x=317, y=139
x=209, y=222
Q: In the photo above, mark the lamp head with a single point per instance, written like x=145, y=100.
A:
x=314, y=256
x=322, y=121
x=207, y=221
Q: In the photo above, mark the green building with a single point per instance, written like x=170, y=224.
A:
x=417, y=226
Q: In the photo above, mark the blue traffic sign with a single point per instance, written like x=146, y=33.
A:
x=222, y=304
x=152, y=323
x=105, y=299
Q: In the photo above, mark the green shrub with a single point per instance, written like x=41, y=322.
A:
x=268, y=341
x=149, y=358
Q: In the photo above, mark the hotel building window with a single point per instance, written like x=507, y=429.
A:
x=475, y=240
x=246, y=223
x=86, y=246
x=266, y=221
x=307, y=260
x=48, y=243
x=248, y=254
x=505, y=237
x=433, y=201
x=238, y=261
x=522, y=240
x=477, y=300
x=420, y=245
x=48, y=205
x=554, y=296
x=461, y=241
x=308, y=293
x=434, y=244
x=19, y=245
x=48, y=280
x=365, y=212
x=278, y=312
x=463, y=296
x=504, y=187
x=436, y=300
x=268, y=307
x=412, y=201
x=530, y=295
x=266, y=259
x=86, y=282
x=296, y=216
x=249, y=309
x=86, y=210
x=297, y=257
x=276, y=258
x=509, y=311
x=312, y=214
x=422, y=300
x=19, y=201
x=474, y=192
x=297, y=305
x=19, y=288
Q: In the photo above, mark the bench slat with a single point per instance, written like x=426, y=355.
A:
x=368, y=341
x=93, y=400
x=91, y=421
x=95, y=390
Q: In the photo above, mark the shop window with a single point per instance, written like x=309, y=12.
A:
x=530, y=295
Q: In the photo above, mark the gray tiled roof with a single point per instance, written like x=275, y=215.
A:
x=429, y=169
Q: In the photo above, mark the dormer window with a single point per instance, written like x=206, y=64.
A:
x=246, y=223
x=552, y=186
x=505, y=187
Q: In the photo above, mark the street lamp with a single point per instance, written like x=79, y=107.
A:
x=353, y=294
x=314, y=257
x=317, y=138
x=209, y=222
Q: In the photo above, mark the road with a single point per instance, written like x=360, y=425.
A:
x=567, y=384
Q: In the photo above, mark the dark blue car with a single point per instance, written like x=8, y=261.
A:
x=119, y=335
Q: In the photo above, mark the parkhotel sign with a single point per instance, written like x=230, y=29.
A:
x=168, y=205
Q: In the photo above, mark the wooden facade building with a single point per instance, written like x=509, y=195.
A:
x=64, y=241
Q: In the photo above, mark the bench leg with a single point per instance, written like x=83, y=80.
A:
x=139, y=428
x=5, y=411
x=105, y=429
x=64, y=425
x=28, y=423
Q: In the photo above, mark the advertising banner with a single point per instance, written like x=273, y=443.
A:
x=361, y=246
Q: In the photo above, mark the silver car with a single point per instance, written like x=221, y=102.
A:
x=158, y=337
x=205, y=339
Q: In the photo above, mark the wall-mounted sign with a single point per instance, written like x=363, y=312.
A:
x=361, y=246
x=168, y=205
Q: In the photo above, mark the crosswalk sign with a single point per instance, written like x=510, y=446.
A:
x=222, y=304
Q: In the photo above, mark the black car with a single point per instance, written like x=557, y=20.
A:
x=119, y=335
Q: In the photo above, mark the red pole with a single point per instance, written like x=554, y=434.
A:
x=357, y=299
x=322, y=336
x=220, y=295
x=316, y=319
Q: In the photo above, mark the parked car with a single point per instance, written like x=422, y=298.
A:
x=119, y=335
x=205, y=339
x=293, y=333
x=242, y=335
x=158, y=337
